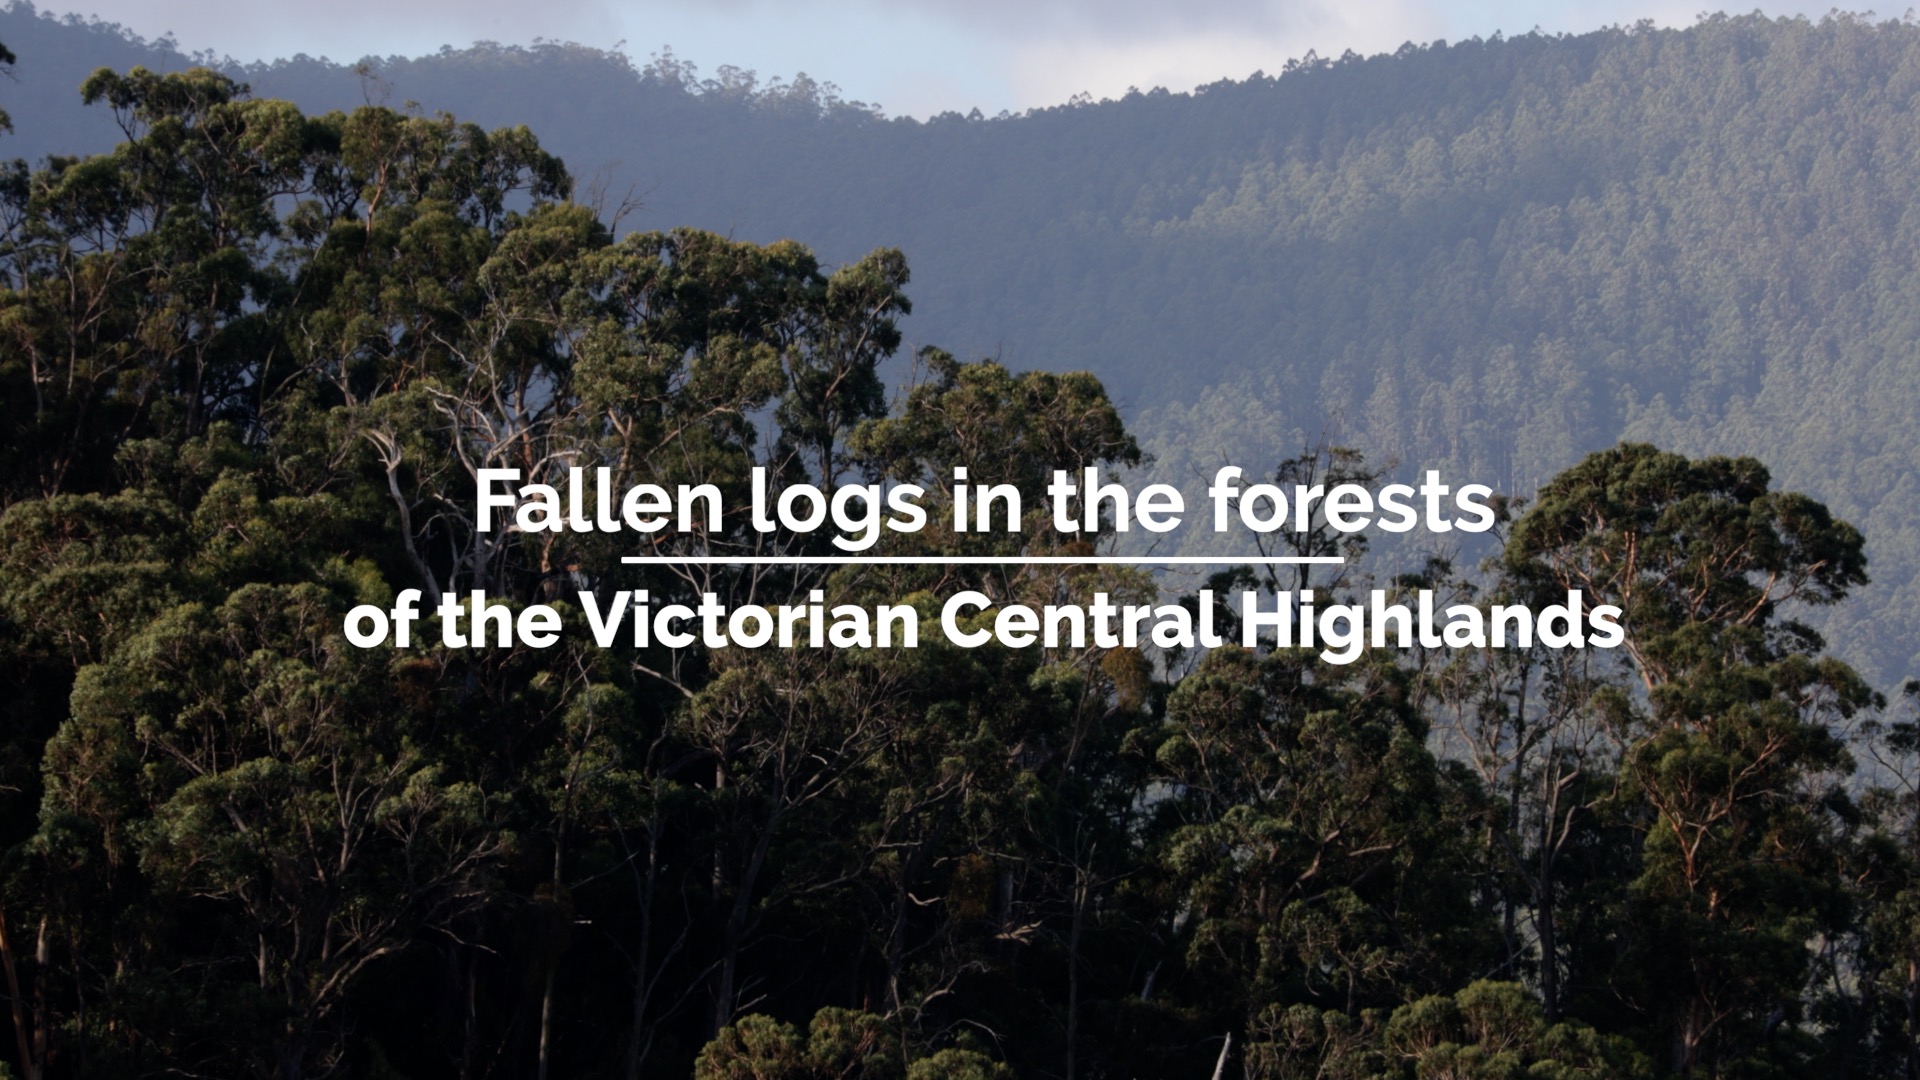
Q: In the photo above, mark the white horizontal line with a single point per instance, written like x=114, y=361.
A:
x=983, y=560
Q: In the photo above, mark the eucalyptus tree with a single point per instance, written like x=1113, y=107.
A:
x=1738, y=764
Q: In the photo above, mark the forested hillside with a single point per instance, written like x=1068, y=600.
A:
x=1489, y=256
x=254, y=355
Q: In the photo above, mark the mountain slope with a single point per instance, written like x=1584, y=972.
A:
x=1486, y=257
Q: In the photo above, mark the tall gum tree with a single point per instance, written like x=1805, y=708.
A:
x=1738, y=766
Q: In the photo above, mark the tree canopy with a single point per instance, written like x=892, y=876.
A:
x=251, y=362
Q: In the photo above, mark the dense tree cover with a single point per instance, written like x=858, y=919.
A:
x=252, y=361
x=1491, y=255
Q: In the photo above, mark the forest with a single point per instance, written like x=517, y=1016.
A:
x=252, y=359
x=1490, y=256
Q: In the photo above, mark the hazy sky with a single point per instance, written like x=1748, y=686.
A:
x=913, y=57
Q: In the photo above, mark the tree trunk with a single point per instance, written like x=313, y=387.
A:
x=29, y=1066
x=1220, y=1066
x=1549, y=959
x=1913, y=1019
x=636, y=1040
x=737, y=928
x=1073, y=971
x=1544, y=918
x=546, y=1018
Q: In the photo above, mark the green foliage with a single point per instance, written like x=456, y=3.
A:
x=1310, y=832
x=1741, y=766
x=1495, y=1030
x=1489, y=256
x=1485, y=1031
x=255, y=359
x=839, y=1042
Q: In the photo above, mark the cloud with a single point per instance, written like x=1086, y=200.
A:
x=1111, y=20
x=1019, y=21
x=1051, y=69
